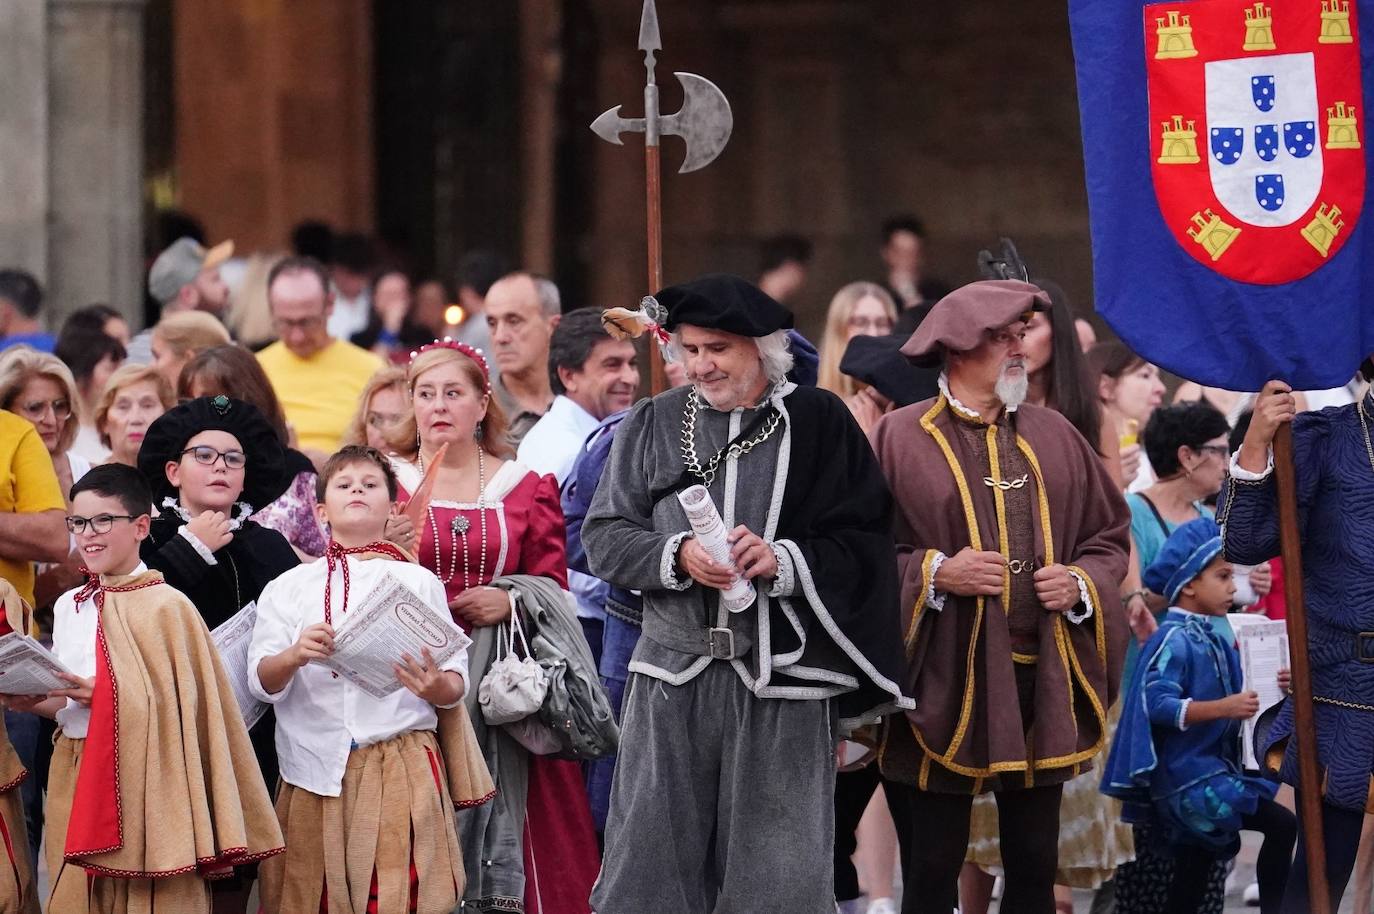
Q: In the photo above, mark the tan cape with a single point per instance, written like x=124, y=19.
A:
x=18, y=894
x=165, y=791
x=395, y=810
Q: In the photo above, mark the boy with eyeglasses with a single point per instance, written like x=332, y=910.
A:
x=212, y=462
x=153, y=788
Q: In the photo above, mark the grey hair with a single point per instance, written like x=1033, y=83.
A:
x=549, y=300
x=775, y=352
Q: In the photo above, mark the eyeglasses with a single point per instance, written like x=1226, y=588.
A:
x=877, y=326
x=1220, y=450
x=206, y=456
x=33, y=411
x=101, y=523
x=380, y=421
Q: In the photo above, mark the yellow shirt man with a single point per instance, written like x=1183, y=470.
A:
x=319, y=394
x=28, y=485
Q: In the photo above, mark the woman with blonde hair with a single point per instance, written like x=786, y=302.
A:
x=858, y=309
x=181, y=336
x=489, y=517
x=381, y=406
x=40, y=387
x=134, y=396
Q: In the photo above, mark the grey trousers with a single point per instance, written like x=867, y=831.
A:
x=723, y=803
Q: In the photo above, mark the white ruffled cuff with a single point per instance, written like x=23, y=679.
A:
x=668, y=561
x=935, y=599
x=1241, y=474
x=1080, y=616
x=1183, y=713
x=202, y=550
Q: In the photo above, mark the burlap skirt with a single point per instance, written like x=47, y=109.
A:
x=394, y=812
x=73, y=892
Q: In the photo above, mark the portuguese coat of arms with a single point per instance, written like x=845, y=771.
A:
x=1256, y=134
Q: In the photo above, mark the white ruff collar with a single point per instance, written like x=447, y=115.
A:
x=960, y=408
x=241, y=511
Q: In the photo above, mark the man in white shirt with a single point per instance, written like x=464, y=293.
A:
x=593, y=376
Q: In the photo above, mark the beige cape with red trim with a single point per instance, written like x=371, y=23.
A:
x=168, y=783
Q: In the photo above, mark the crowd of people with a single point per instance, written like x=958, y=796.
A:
x=985, y=647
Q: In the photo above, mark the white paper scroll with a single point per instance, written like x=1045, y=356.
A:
x=232, y=638
x=392, y=620
x=29, y=668
x=1263, y=648
x=710, y=532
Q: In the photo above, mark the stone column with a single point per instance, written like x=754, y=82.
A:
x=24, y=136
x=95, y=154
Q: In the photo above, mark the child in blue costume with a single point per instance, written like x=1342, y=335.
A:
x=1175, y=761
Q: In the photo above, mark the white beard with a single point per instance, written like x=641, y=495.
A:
x=1012, y=390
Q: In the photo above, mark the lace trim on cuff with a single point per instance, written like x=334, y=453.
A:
x=935, y=600
x=202, y=550
x=666, y=575
x=1079, y=616
x=1183, y=713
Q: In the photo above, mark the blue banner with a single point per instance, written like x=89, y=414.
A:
x=1226, y=159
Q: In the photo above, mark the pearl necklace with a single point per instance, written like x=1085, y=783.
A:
x=459, y=527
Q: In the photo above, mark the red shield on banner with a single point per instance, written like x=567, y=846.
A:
x=1257, y=131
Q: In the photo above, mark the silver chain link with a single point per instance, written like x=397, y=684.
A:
x=736, y=450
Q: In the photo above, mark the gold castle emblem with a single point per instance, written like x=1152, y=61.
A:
x=1178, y=142
x=1335, y=22
x=1341, y=132
x=1175, y=33
x=1210, y=231
x=1322, y=230
x=1259, y=28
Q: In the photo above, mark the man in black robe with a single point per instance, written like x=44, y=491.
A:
x=727, y=764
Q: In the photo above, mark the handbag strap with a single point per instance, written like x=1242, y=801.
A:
x=517, y=630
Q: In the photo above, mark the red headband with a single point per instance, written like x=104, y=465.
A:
x=474, y=354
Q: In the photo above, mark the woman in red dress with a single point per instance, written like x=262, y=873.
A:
x=489, y=516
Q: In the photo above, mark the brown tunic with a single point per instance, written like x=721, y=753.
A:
x=1007, y=694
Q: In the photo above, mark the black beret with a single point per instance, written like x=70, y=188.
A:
x=265, y=478
x=878, y=362
x=719, y=301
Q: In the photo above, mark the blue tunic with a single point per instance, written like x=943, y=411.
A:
x=1186, y=782
x=1335, y=483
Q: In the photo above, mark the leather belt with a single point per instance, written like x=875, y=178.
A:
x=718, y=643
x=1356, y=646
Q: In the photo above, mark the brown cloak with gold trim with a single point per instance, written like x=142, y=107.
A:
x=966, y=733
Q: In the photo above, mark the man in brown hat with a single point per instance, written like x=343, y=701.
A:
x=1012, y=542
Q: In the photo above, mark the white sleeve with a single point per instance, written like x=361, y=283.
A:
x=1241, y=474
x=277, y=628
x=202, y=550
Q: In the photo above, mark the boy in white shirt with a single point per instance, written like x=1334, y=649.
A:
x=365, y=799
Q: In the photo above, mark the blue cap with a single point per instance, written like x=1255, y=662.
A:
x=1188, y=550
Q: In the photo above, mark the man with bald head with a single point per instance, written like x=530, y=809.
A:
x=318, y=379
x=522, y=311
